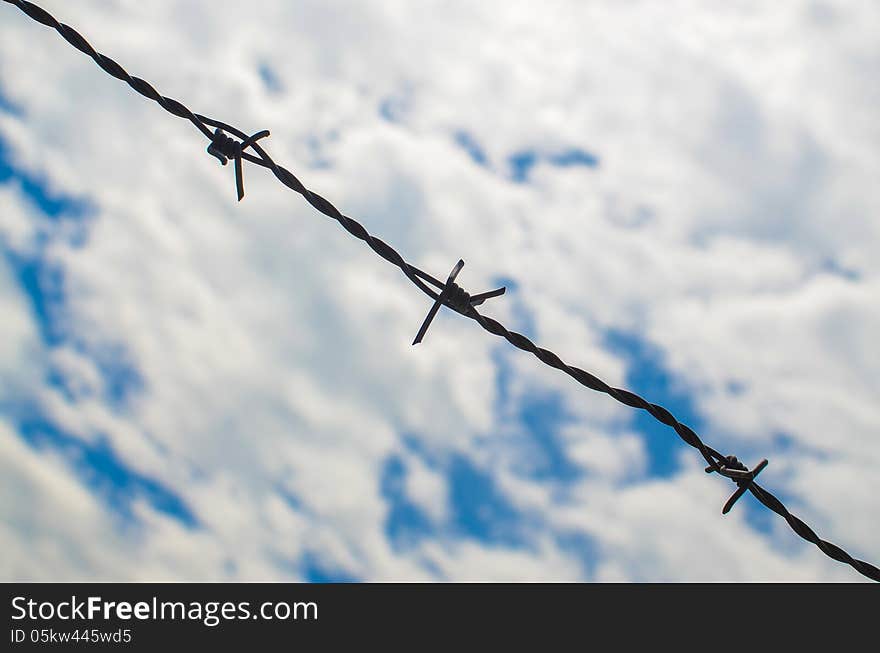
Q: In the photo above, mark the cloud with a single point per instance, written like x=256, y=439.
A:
x=254, y=361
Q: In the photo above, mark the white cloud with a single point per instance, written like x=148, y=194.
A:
x=737, y=159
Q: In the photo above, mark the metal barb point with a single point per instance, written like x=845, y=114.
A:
x=453, y=296
x=735, y=470
x=225, y=147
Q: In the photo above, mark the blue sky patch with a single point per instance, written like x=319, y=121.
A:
x=417, y=446
x=536, y=420
x=107, y=475
x=470, y=145
x=542, y=417
x=315, y=571
x=521, y=163
x=122, y=380
x=270, y=79
x=648, y=376
x=394, y=108
x=43, y=285
x=479, y=508
x=37, y=190
x=573, y=157
x=581, y=546
x=834, y=267
x=755, y=514
x=292, y=500
x=8, y=106
x=406, y=523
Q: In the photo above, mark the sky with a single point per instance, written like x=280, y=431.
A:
x=680, y=197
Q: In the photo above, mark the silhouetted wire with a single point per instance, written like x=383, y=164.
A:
x=447, y=294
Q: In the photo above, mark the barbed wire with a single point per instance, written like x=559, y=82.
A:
x=448, y=294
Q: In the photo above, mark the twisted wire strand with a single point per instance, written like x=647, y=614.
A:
x=421, y=280
x=685, y=433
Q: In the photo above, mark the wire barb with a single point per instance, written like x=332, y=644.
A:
x=450, y=294
x=735, y=470
x=225, y=147
x=453, y=296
